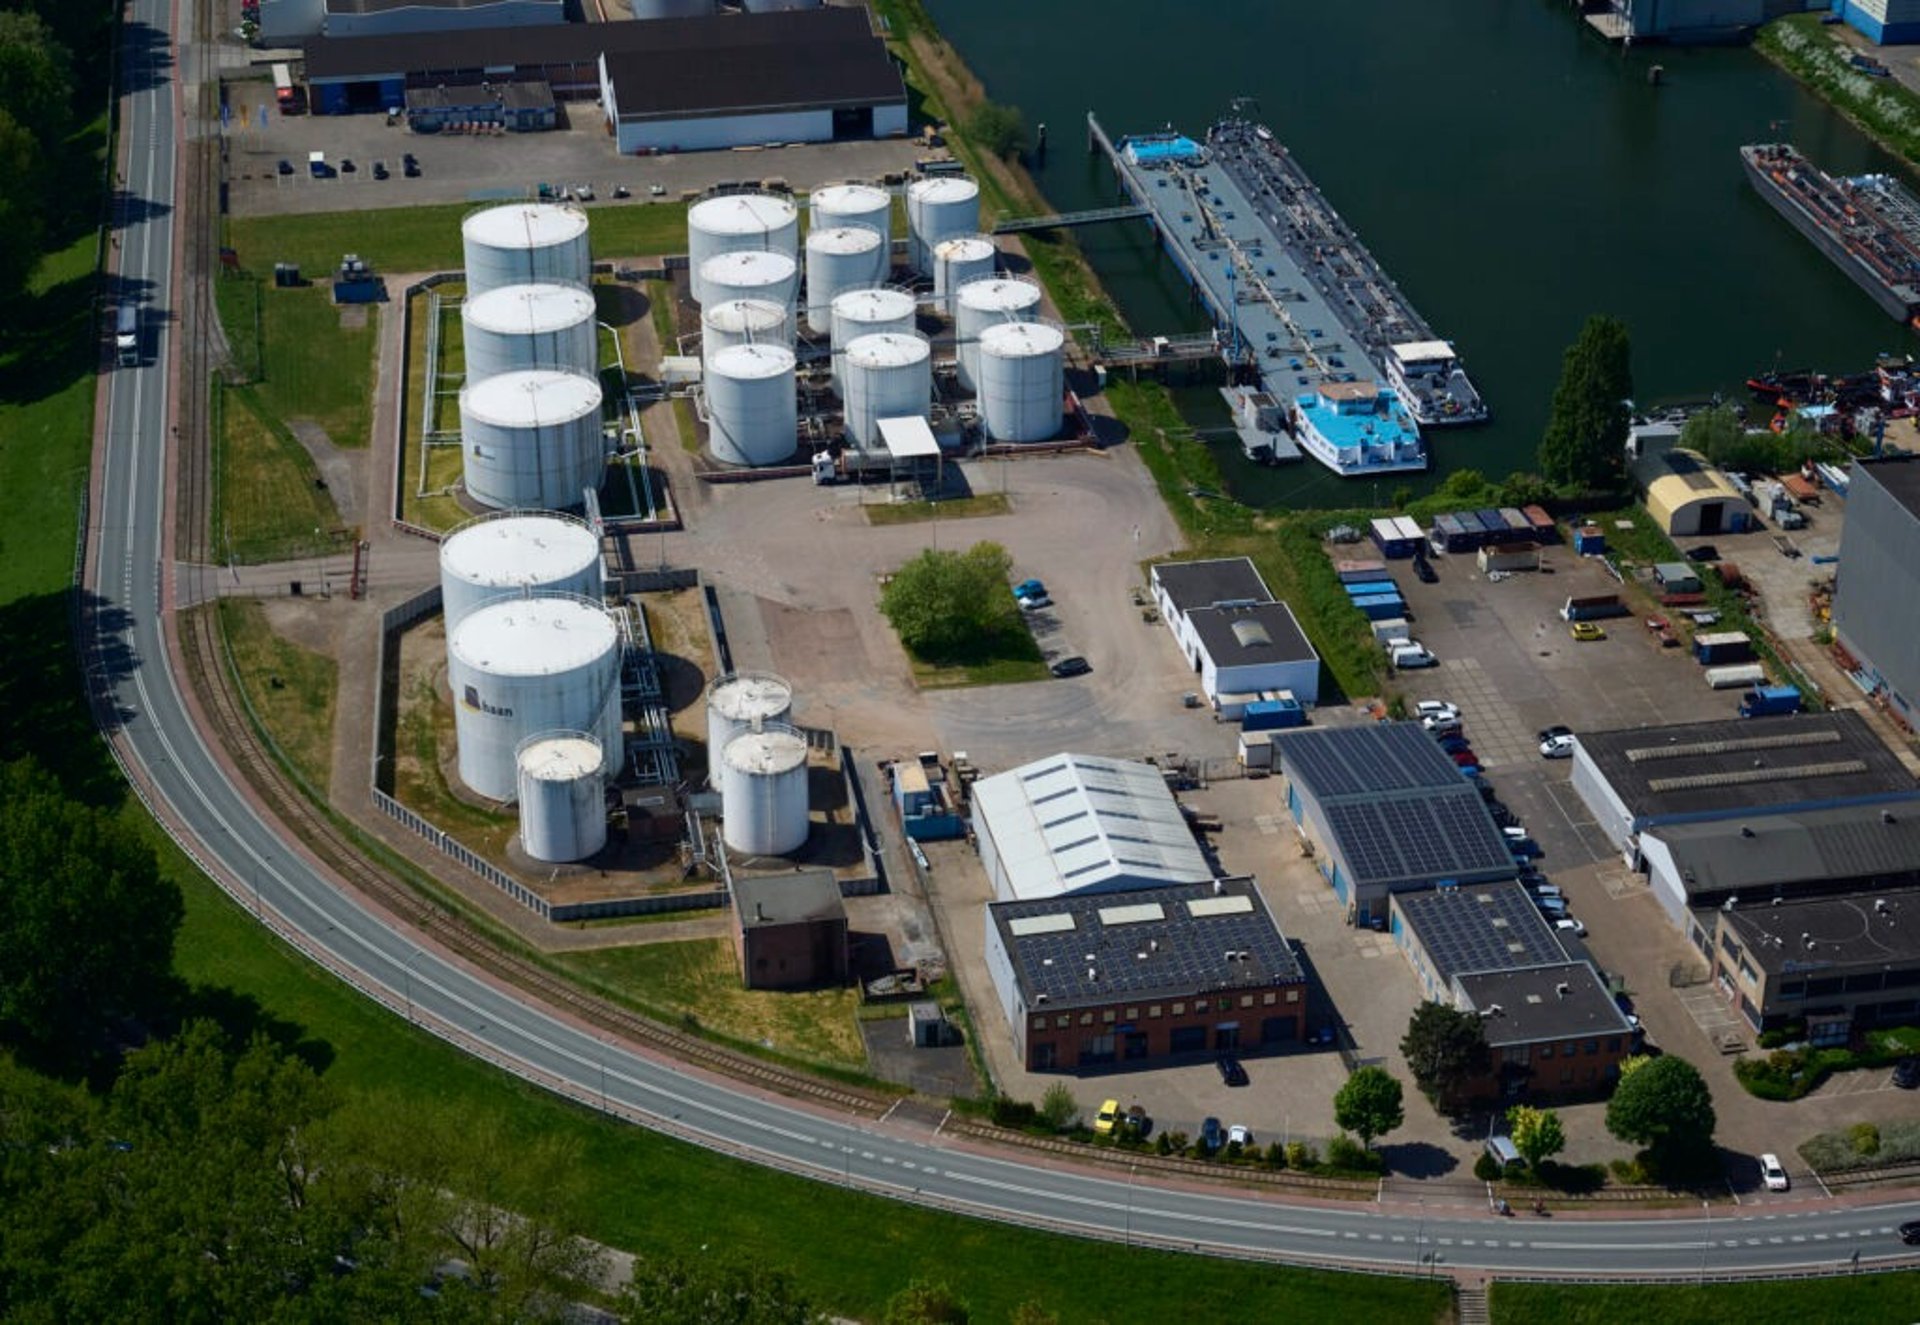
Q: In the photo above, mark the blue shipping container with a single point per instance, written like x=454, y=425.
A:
x=1265, y=715
x=1381, y=607
x=1371, y=588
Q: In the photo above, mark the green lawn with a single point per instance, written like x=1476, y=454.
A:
x=315, y=361
x=293, y=690
x=416, y=240
x=268, y=505
x=1885, y=108
x=1862, y=1298
x=958, y=508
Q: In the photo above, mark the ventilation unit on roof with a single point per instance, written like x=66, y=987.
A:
x=1563, y=989
x=1039, y=999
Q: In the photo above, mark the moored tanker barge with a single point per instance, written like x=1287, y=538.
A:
x=1868, y=224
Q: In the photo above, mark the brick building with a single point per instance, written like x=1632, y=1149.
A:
x=790, y=930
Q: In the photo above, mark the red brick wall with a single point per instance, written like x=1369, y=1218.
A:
x=793, y=956
x=1157, y=1020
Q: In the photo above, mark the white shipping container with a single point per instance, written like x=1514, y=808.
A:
x=1736, y=678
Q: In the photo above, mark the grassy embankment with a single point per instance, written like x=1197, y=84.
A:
x=1883, y=108
x=959, y=508
x=291, y=688
x=1869, y=1297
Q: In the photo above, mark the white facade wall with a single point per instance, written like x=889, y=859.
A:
x=1301, y=676
x=719, y=131
x=287, y=22
x=1669, y=889
x=1000, y=971
x=1607, y=809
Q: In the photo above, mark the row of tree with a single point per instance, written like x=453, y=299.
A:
x=36, y=120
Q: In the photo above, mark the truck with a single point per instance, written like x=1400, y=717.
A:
x=126, y=336
x=1592, y=607
x=1769, y=701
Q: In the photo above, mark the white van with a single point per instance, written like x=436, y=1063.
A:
x=1410, y=655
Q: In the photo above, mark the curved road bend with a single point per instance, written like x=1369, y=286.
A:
x=156, y=736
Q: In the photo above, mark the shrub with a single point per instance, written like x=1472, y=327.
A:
x=1234, y=1149
x=1009, y=1112
x=1300, y=1155
x=1865, y=1138
x=1345, y=1153
x=1487, y=1168
x=1176, y=1142
x=1164, y=1145
x=1628, y=1172
x=1276, y=1156
x=1058, y=1109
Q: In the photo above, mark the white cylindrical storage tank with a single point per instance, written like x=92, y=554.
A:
x=526, y=243
x=889, y=376
x=940, y=207
x=860, y=205
x=957, y=261
x=979, y=305
x=514, y=555
x=860, y=313
x=1021, y=381
x=763, y=792
x=671, y=8
x=737, y=702
x=839, y=258
x=562, y=783
x=752, y=405
x=750, y=274
x=742, y=322
x=514, y=327
x=531, y=440
x=735, y=222
x=523, y=666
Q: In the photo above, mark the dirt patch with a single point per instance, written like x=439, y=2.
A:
x=353, y=317
x=312, y=623
x=341, y=471
x=814, y=647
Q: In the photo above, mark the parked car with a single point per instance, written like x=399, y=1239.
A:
x=1240, y=1134
x=1029, y=589
x=1439, y=709
x=346, y=165
x=1454, y=744
x=1587, y=631
x=1105, y=1120
x=1552, y=907
x=1074, y=666
x=656, y=190
x=380, y=170
x=410, y=166
x=1212, y=1136
x=1231, y=1071
x=622, y=191
x=1136, y=1123
x=1772, y=1174
x=1035, y=604
x=285, y=167
x=1463, y=757
x=1410, y=655
x=1568, y=925
x=1704, y=553
x=1906, y=1073
x=584, y=192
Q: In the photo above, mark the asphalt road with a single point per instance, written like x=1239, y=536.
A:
x=157, y=737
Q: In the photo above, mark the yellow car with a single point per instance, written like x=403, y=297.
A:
x=1108, y=1117
x=1588, y=631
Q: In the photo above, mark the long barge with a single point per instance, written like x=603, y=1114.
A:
x=1297, y=296
x=1868, y=224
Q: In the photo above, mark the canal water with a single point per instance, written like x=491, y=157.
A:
x=1511, y=171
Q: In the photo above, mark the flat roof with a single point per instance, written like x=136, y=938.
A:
x=1197, y=584
x=1898, y=474
x=1864, y=929
x=1728, y=765
x=1073, y=823
x=1482, y=927
x=1395, y=804
x=908, y=438
x=787, y=899
x=512, y=96
x=1563, y=1001
x=1416, y=351
x=1774, y=850
x=1250, y=635
x=1152, y=943
x=388, y=6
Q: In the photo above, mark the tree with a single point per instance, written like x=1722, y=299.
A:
x=22, y=208
x=1058, y=1109
x=999, y=129
x=925, y=1303
x=86, y=918
x=1537, y=1133
x=672, y=1290
x=1463, y=483
x=36, y=82
x=944, y=604
x=1583, y=446
x=1369, y=1104
x=1445, y=1049
x=1664, y=1105
x=1715, y=433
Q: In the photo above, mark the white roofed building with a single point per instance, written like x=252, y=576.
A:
x=1076, y=824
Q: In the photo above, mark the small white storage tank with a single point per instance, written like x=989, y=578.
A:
x=736, y=222
x=981, y=304
x=563, y=804
x=531, y=440
x=939, y=207
x=839, y=258
x=1021, y=382
x=514, y=554
x=752, y=406
x=523, y=666
x=525, y=243
x=763, y=792
x=742, y=322
x=860, y=313
x=737, y=702
x=750, y=274
x=888, y=376
x=671, y=8
x=860, y=205
x=957, y=261
x=529, y=326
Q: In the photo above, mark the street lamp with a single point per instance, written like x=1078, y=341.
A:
x=1131, y=1170
x=1706, y=1241
x=406, y=976
x=1420, y=1236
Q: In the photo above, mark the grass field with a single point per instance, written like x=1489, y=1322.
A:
x=1862, y=1298
x=303, y=357
x=268, y=504
x=293, y=690
x=700, y=978
x=959, y=508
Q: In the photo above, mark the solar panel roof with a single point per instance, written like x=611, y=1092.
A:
x=1481, y=927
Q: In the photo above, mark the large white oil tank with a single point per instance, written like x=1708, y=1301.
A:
x=763, y=792
x=860, y=313
x=523, y=666
x=526, y=243
x=839, y=258
x=750, y=274
x=889, y=376
x=562, y=779
x=939, y=207
x=981, y=304
x=741, y=322
x=514, y=554
x=738, y=221
x=1021, y=381
x=753, y=411
x=738, y=701
x=531, y=439
x=529, y=326
x=856, y=204
x=957, y=261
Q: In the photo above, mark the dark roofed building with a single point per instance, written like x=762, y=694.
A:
x=1444, y=932
x=521, y=107
x=1554, y=1030
x=1089, y=981
x=1234, y=633
x=1879, y=579
x=1836, y=964
x=284, y=22
x=1386, y=810
x=790, y=929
